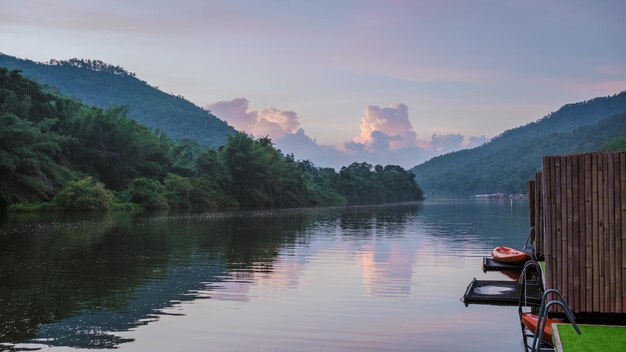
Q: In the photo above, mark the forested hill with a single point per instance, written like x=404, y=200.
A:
x=506, y=162
x=56, y=153
x=105, y=86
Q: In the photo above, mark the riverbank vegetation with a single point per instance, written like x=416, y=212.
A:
x=56, y=153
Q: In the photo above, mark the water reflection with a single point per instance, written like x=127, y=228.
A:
x=103, y=281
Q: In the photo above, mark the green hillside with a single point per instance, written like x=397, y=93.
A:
x=506, y=162
x=98, y=84
x=56, y=153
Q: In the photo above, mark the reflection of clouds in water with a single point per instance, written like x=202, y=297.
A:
x=387, y=266
x=492, y=290
x=283, y=274
x=387, y=270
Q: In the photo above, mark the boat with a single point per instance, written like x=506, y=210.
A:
x=530, y=321
x=509, y=255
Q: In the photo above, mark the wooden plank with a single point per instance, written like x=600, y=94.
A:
x=576, y=274
x=603, y=235
x=611, y=233
x=551, y=216
x=569, y=230
x=536, y=201
x=582, y=269
x=556, y=238
x=622, y=181
x=556, y=338
x=547, y=218
x=582, y=243
x=617, y=234
x=607, y=239
x=596, y=232
x=588, y=235
x=565, y=259
x=558, y=265
x=547, y=200
x=539, y=217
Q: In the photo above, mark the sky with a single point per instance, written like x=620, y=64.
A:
x=339, y=81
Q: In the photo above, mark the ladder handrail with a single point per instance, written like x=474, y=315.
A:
x=522, y=298
x=541, y=310
x=545, y=295
x=542, y=319
x=529, y=239
x=522, y=281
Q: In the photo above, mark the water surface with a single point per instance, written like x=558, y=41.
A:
x=373, y=278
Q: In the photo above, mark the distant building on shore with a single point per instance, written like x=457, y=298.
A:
x=499, y=196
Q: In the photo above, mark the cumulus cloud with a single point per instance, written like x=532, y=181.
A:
x=267, y=122
x=444, y=143
x=305, y=147
x=392, y=122
x=382, y=141
x=378, y=152
x=235, y=112
x=386, y=136
x=476, y=141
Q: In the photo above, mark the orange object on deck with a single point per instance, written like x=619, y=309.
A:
x=509, y=255
x=530, y=321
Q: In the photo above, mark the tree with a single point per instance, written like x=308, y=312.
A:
x=149, y=193
x=28, y=171
x=84, y=194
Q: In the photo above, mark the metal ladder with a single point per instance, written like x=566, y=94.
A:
x=522, y=282
x=544, y=308
x=523, y=298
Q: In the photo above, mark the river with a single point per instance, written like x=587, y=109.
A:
x=367, y=278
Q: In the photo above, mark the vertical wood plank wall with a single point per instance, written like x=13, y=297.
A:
x=577, y=207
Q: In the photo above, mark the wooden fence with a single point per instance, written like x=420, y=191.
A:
x=578, y=210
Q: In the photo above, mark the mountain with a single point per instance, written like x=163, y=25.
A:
x=99, y=84
x=506, y=162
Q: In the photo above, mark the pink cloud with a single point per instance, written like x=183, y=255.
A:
x=391, y=124
x=267, y=122
x=275, y=123
x=235, y=112
x=386, y=136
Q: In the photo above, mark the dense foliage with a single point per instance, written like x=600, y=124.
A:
x=84, y=194
x=363, y=183
x=616, y=145
x=105, y=86
x=508, y=161
x=56, y=149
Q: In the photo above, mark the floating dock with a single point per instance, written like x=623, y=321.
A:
x=501, y=293
x=491, y=265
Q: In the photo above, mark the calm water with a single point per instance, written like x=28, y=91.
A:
x=380, y=278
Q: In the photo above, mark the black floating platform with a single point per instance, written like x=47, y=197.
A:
x=502, y=293
x=492, y=265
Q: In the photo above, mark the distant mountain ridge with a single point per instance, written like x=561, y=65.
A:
x=505, y=163
x=96, y=83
